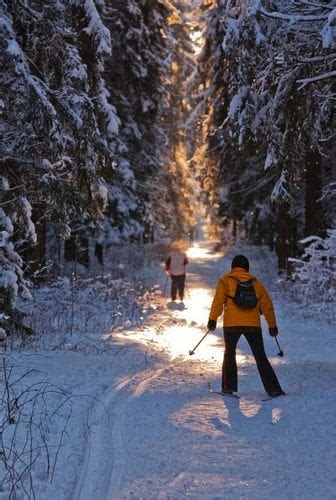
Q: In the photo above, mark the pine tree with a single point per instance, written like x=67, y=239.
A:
x=267, y=120
x=56, y=123
x=85, y=152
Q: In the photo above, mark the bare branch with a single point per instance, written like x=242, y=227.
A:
x=60, y=443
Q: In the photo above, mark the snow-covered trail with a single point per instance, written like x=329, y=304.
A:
x=165, y=436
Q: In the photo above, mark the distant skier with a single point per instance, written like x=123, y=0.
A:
x=175, y=267
x=244, y=298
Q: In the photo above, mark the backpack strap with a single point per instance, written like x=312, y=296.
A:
x=236, y=279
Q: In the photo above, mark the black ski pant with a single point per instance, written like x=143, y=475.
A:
x=254, y=337
x=177, y=284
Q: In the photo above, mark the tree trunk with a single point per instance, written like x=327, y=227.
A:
x=83, y=251
x=99, y=253
x=70, y=249
x=37, y=253
x=234, y=229
x=313, y=184
x=286, y=237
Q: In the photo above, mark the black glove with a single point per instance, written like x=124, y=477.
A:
x=273, y=331
x=212, y=325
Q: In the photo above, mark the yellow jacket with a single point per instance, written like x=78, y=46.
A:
x=237, y=316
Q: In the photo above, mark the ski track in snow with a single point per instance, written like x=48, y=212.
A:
x=95, y=478
x=120, y=458
x=163, y=436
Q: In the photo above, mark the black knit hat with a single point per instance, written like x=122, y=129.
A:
x=241, y=261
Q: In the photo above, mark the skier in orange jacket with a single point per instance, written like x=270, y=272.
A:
x=244, y=298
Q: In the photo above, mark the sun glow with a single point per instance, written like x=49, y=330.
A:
x=198, y=252
x=197, y=40
x=180, y=334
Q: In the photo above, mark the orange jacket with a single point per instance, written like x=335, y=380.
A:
x=237, y=316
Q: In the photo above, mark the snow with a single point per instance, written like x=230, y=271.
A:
x=144, y=425
x=322, y=76
x=27, y=213
x=97, y=29
x=237, y=102
x=74, y=65
x=329, y=31
x=10, y=261
x=4, y=181
x=5, y=222
x=124, y=168
x=8, y=279
x=4, y=236
x=103, y=193
x=109, y=111
x=271, y=159
x=13, y=48
x=100, y=192
x=315, y=272
x=293, y=18
x=147, y=105
x=281, y=190
x=232, y=32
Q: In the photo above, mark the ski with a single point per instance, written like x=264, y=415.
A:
x=224, y=394
x=270, y=398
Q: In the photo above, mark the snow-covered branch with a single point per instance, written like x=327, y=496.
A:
x=315, y=4
x=293, y=18
x=323, y=58
x=305, y=81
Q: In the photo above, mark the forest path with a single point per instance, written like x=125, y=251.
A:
x=165, y=436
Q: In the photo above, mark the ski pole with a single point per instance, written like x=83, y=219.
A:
x=187, y=288
x=280, y=353
x=165, y=285
x=194, y=349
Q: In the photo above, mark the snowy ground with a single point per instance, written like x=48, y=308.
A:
x=153, y=431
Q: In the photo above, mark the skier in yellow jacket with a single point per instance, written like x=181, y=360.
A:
x=244, y=298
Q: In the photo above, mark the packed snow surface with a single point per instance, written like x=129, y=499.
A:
x=155, y=432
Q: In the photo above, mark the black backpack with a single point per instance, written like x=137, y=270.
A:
x=245, y=295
